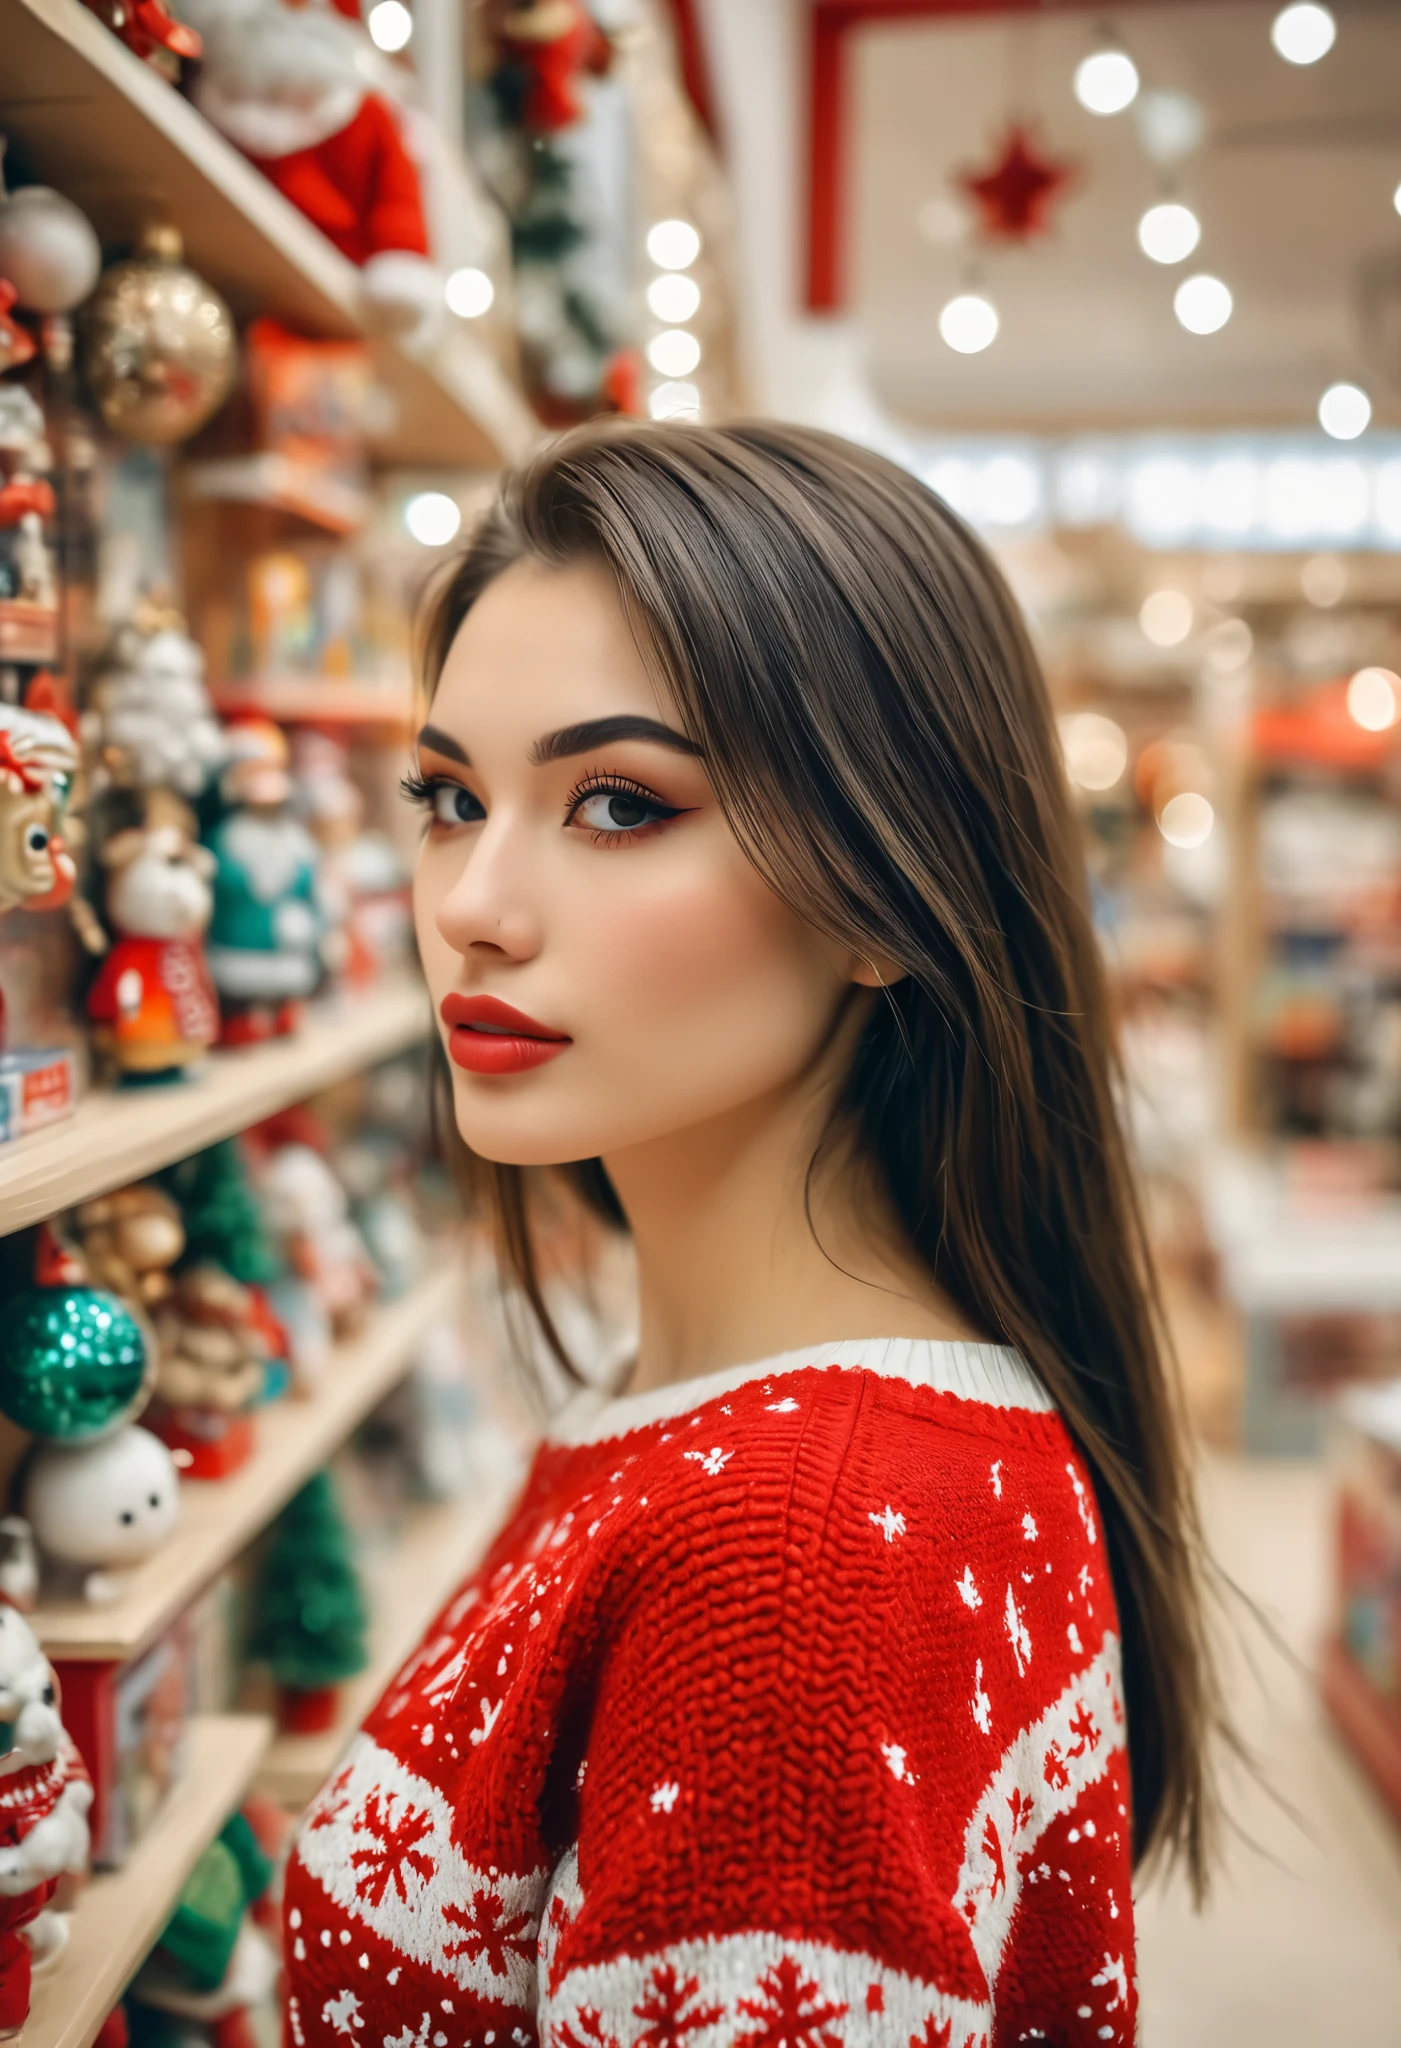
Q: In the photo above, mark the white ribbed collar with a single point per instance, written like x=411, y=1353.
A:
x=991, y=1373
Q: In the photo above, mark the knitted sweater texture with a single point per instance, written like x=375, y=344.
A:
x=784, y=1711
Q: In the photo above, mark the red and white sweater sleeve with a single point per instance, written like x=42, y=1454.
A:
x=792, y=1720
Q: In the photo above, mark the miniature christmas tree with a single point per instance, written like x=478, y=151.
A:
x=223, y=1224
x=309, y=1615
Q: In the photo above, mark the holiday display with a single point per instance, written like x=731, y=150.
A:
x=309, y=1615
x=265, y=935
x=1014, y=197
x=28, y=581
x=224, y=1228
x=130, y=1239
x=48, y=250
x=153, y=1004
x=38, y=765
x=308, y=1213
x=158, y=346
x=148, y=29
x=149, y=720
x=213, y=1965
x=74, y=1362
x=16, y=342
x=288, y=86
x=213, y=1351
x=97, y=1507
x=44, y=1800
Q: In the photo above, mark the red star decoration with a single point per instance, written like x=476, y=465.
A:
x=1014, y=198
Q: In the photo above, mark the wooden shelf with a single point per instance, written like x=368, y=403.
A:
x=119, y=141
x=220, y=1517
x=117, y=1135
x=439, y=1546
x=316, y=700
x=120, y=1914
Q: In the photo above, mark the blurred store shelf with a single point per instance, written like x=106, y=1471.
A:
x=316, y=700
x=120, y=1914
x=220, y=1517
x=441, y=1543
x=119, y=1134
x=118, y=140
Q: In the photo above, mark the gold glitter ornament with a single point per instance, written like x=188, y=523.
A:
x=158, y=346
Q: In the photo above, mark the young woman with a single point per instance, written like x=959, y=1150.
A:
x=826, y=1686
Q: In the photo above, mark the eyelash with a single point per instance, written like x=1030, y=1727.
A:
x=422, y=791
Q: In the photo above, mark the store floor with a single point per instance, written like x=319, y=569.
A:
x=1300, y=1943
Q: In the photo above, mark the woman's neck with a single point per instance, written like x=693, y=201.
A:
x=742, y=1253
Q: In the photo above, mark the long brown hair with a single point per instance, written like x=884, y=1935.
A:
x=877, y=728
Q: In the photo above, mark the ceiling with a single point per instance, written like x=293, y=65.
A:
x=1293, y=186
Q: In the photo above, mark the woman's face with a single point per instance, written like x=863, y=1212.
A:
x=607, y=966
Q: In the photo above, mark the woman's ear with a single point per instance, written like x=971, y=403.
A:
x=876, y=973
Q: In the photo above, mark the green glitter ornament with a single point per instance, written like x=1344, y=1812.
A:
x=73, y=1362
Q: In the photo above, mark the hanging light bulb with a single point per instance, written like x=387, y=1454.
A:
x=1304, y=32
x=1202, y=303
x=969, y=323
x=1169, y=233
x=1371, y=699
x=1106, y=81
x=390, y=25
x=673, y=297
x=1344, y=411
x=673, y=244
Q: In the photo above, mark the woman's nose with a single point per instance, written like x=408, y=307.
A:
x=490, y=906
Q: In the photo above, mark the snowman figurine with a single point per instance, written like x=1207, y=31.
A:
x=44, y=1801
x=95, y=1506
x=265, y=936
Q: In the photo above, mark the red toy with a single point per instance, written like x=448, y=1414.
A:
x=153, y=1001
x=558, y=43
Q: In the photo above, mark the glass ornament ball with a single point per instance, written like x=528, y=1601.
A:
x=73, y=1363
x=159, y=351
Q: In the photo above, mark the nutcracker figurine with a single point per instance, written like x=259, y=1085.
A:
x=265, y=937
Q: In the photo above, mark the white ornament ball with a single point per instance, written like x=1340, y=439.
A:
x=108, y=1503
x=48, y=250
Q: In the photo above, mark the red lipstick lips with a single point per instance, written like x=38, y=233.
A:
x=487, y=1036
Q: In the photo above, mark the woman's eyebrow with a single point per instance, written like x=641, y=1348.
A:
x=439, y=742
x=597, y=732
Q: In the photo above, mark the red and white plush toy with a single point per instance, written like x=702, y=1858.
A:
x=287, y=85
x=44, y=1801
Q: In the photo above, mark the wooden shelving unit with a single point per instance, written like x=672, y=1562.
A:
x=317, y=700
x=117, y=1135
x=439, y=1545
x=120, y=1914
x=219, y=1518
x=118, y=140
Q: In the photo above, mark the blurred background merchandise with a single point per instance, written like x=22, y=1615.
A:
x=281, y=289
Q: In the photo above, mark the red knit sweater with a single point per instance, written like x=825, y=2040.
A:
x=785, y=1711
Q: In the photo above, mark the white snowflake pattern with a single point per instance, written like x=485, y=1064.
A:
x=787, y=1406
x=1082, y=1503
x=1113, y=1973
x=294, y=2020
x=1083, y=1581
x=895, y=1757
x=890, y=1523
x=1073, y=1637
x=1029, y=1526
x=490, y=1716
x=1017, y=1634
x=995, y=1474
x=343, y=2013
x=967, y=1591
x=665, y=1796
x=712, y=1461
x=408, y=2038
x=981, y=1704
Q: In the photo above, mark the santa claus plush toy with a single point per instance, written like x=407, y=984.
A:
x=287, y=85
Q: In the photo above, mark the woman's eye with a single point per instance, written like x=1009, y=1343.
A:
x=454, y=805
x=617, y=810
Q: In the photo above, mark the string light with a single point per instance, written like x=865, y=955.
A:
x=674, y=401
x=673, y=352
x=432, y=518
x=1169, y=233
x=1106, y=81
x=1371, y=699
x=469, y=293
x=1165, y=617
x=969, y=323
x=1186, y=819
x=1304, y=32
x=673, y=298
x=673, y=244
x=1344, y=411
x=1096, y=751
x=1202, y=304
x=390, y=25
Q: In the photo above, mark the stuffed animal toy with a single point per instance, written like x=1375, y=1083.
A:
x=288, y=86
x=96, y=1506
x=44, y=1800
x=265, y=937
x=150, y=722
x=153, y=1003
x=130, y=1240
